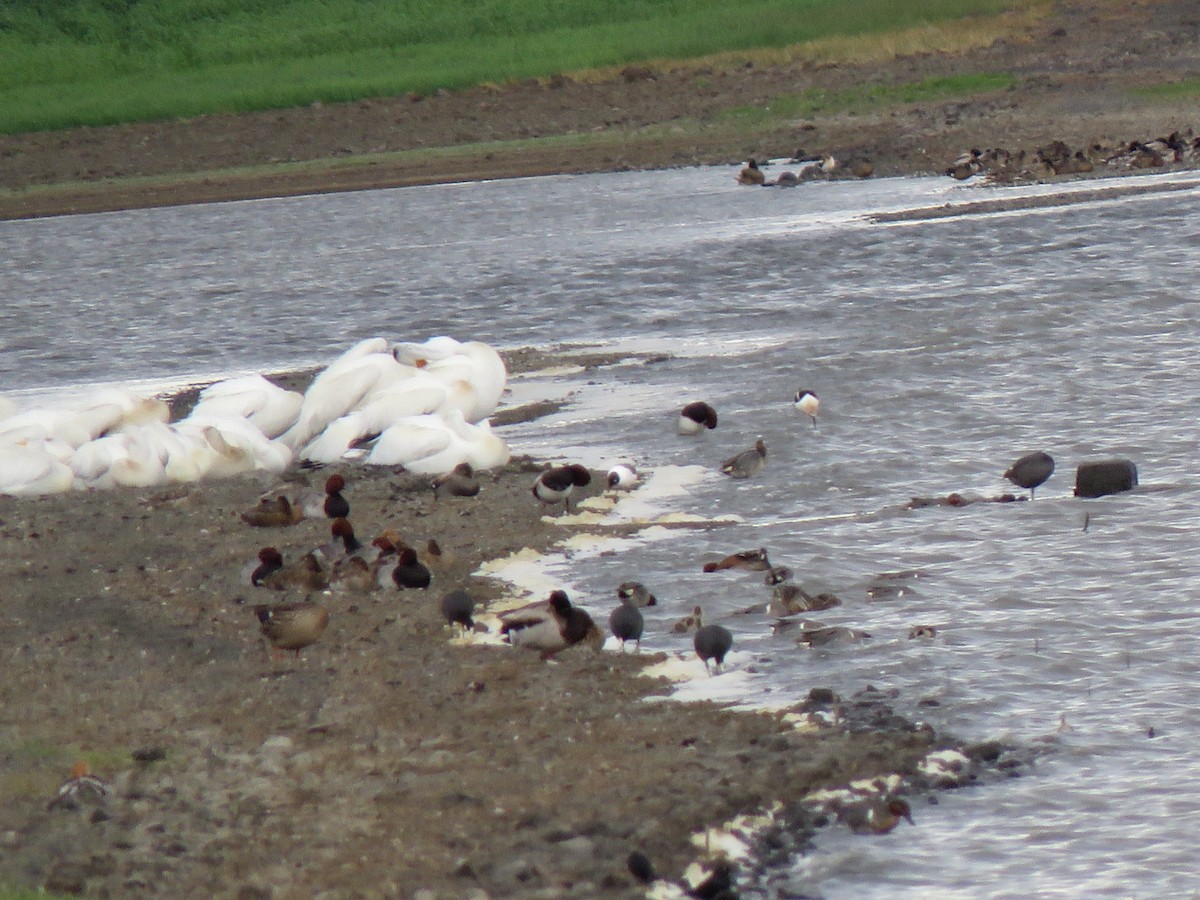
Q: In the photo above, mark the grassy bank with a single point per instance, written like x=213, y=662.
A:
x=95, y=63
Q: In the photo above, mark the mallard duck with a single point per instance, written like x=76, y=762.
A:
x=695, y=417
x=328, y=504
x=712, y=642
x=626, y=623
x=557, y=484
x=550, y=625
x=1031, y=471
x=788, y=599
x=637, y=593
x=747, y=463
x=808, y=403
x=292, y=626
x=690, y=622
x=751, y=174
x=748, y=560
x=458, y=482
x=272, y=512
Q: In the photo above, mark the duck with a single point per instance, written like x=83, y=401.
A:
x=712, y=642
x=637, y=593
x=778, y=575
x=695, y=417
x=626, y=623
x=815, y=634
x=640, y=867
x=353, y=573
x=550, y=625
x=878, y=816
x=786, y=179
x=307, y=573
x=747, y=560
x=438, y=558
x=409, y=572
x=557, y=484
x=292, y=626
x=460, y=481
x=623, y=477
x=328, y=504
x=1031, y=471
x=788, y=599
x=272, y=512
x=269, y=560
x=342, y=541
x=81, y=785
x=689, y=623
x=457, y=608
x=747, y=463
x=808, y=403
x=751, y=174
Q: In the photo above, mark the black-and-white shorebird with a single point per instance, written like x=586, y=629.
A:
x=808, y=403
x=556, y=484
x=1031, y=471
x=695, y=417
x=712, y=642
x=747, y=463
x=623, y=477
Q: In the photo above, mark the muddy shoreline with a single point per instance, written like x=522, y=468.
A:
x=389, y=759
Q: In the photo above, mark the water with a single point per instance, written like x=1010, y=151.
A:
x=942, y=350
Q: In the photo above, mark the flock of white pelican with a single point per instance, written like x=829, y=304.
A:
x=423, y=406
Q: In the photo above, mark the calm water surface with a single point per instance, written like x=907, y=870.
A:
x=941, y=349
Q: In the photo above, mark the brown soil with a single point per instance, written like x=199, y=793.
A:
x=1077, y=69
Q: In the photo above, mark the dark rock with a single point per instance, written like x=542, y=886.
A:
x=1110, y=476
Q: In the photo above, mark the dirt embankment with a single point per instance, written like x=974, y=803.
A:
x=1078, y=71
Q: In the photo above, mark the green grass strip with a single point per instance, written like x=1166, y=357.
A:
x=96, y=62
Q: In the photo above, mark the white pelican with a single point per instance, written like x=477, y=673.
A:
x=268, y=407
